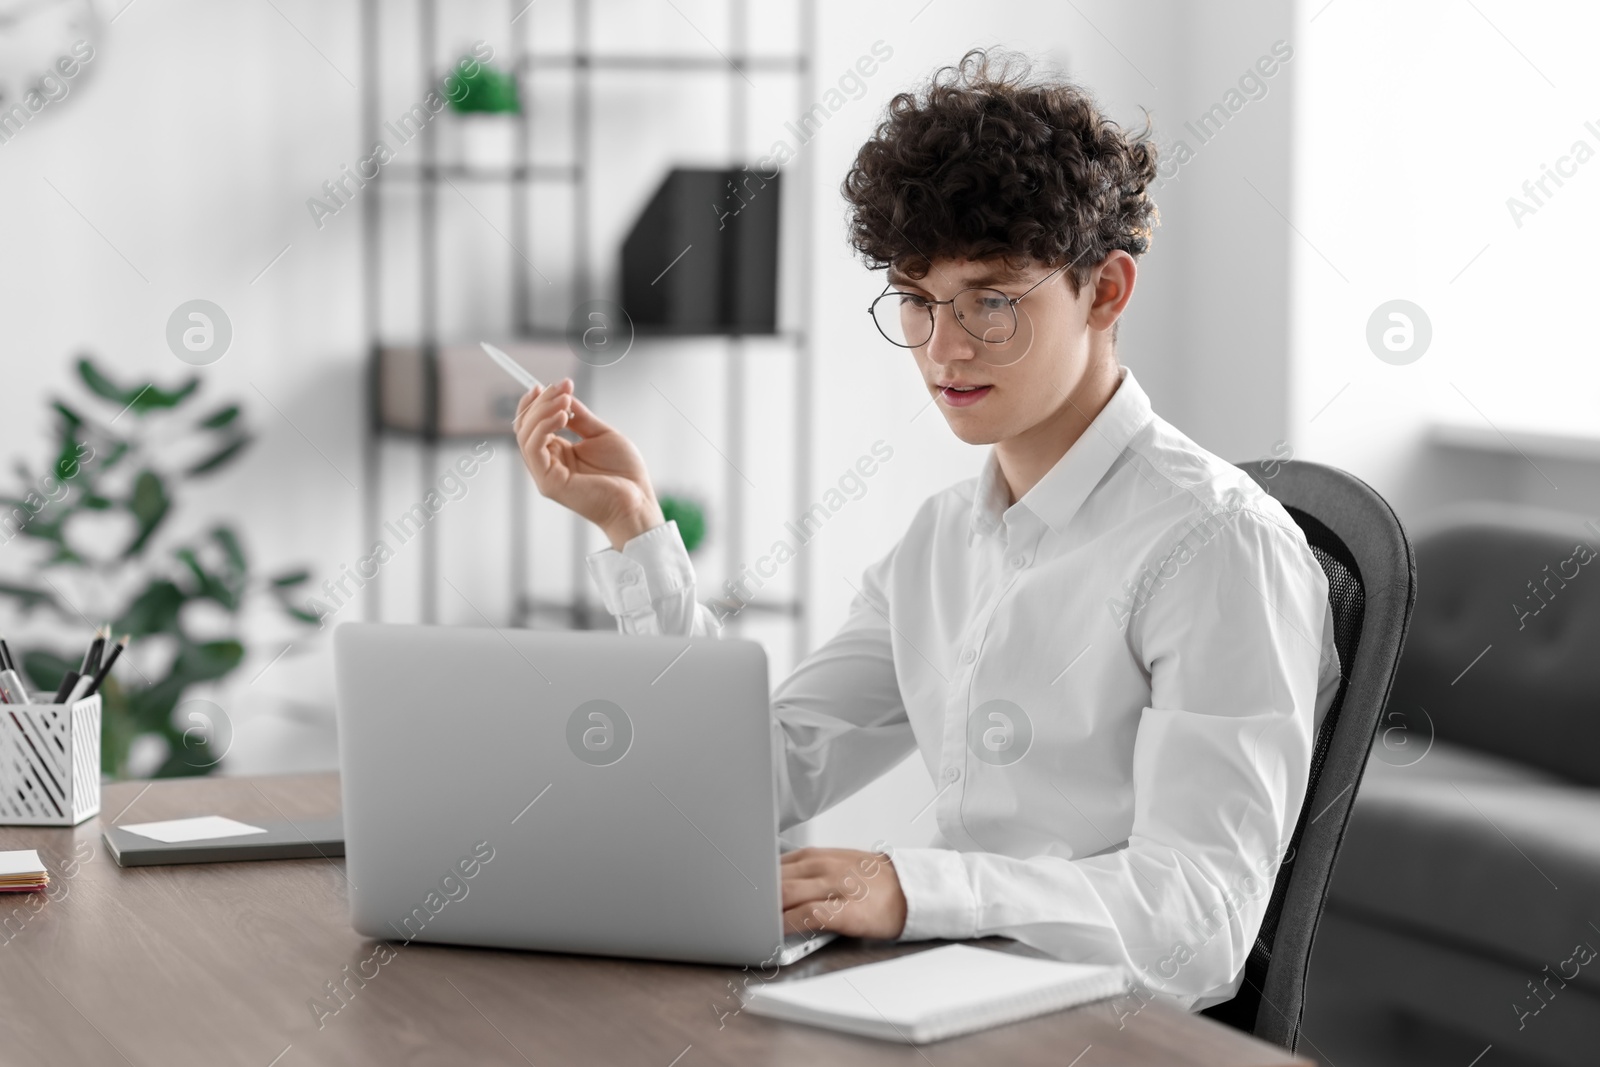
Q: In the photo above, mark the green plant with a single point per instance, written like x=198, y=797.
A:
x=690, y=516
x=122, y=472
x=487, y=90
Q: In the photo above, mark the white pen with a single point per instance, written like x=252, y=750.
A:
x=12, y=691
x=512, y=367
x=80, y=689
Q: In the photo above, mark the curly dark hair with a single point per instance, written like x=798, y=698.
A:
x=986, y=162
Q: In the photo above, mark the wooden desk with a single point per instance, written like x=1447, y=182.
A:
x=221, y=964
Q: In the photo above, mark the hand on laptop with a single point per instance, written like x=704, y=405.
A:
x=844, y=890
x=601, y=477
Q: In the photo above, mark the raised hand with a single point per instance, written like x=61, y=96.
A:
x=601, y=476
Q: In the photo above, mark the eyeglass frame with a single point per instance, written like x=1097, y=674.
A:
x=932, y=305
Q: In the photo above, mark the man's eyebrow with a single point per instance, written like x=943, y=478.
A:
x=997, y=276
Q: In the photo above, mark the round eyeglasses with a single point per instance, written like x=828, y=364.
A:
x=906, y=319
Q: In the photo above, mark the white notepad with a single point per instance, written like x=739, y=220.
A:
x=928, y=996
x=199, y=828
x=22, y=863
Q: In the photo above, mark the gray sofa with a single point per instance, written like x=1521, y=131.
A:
x=1463, y=919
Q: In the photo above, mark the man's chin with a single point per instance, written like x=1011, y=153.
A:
x=973, y=434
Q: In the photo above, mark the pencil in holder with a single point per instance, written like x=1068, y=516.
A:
x=49, y=763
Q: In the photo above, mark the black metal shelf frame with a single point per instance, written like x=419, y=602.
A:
x=541, y=172
x=584, y=64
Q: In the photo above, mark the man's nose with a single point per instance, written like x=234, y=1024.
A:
x=949, y=341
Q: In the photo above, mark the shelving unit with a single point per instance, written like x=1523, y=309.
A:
x=584, y=65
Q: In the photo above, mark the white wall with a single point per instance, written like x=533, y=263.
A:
x=1418, y=123
x=206, y=126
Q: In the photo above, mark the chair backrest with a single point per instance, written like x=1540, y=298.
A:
x=1372, y=585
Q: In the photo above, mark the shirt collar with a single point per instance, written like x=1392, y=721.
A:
x=1056, y=498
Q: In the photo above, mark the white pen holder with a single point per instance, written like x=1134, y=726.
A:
x=49, y=763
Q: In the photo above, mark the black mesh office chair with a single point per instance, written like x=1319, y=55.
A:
x=1372, y=584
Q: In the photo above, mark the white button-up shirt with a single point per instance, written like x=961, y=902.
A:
x=1114, y=683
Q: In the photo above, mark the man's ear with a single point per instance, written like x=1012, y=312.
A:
x=1112, y=283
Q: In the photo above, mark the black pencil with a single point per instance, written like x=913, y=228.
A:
x=105, y=668
x=91, y=658
x=68, y=680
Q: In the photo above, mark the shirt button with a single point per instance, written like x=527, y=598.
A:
x=629, y=578
x=968, y=656
x=951, y=774
x=1018, y=561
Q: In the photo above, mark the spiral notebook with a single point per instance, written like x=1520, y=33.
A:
x=932, y=995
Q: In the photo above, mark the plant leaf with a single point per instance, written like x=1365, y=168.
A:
x=69, y=417
x=139, y=399
x=99, y=384
x=221, y=417
x=45, y=670
x=187, y=556
x=50, y=531
x=150, y=707
x=229, y=541
x=207, y=662
x=283, y=587
x=219, y=657
x=488, y=90
x=221, y=456
x=149, y=504
x=208, y=585
x=153, y=611
x=118, y=727
x=690, y=517
x=189, y=758
x=66, y=466
x=27, y=597
x=113, y=454
x=151, y=397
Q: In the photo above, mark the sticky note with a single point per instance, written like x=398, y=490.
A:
x=200, y=828
x=21, y=862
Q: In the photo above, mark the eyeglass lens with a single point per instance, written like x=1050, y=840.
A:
x=906, y=319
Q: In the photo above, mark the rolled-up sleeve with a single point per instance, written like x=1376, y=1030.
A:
x=1235, y=648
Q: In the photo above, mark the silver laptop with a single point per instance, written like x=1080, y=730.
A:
x=569, y=792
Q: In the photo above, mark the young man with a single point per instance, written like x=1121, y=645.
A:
x=1111, y=648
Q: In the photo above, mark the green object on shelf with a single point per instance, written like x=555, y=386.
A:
x=691, y=519
x=487, y=90
x=130, y=465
